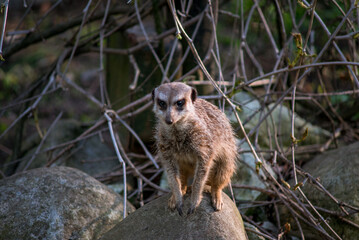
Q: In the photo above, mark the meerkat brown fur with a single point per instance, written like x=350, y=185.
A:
x=194, y=139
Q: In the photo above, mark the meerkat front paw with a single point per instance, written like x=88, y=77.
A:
x=194, y=204
x=217, y=202
x=173, y=204
x=191, y=209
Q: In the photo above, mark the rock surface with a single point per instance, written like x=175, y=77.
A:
x=245, y=175
x=156, y=221
x=279, y=117
x=57, y=203
x=251, y=234
x=337, y=171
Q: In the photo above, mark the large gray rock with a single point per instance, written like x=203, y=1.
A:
x=337, y=170
x=156, y=221
x=57, y=203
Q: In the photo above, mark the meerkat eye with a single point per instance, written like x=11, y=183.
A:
x=162, y=104
x=180, y=103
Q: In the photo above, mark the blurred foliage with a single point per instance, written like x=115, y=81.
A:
x=339, y=99
x=23, y=70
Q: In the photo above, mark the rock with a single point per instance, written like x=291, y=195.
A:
x=57, y=203
x=337, y=171
x=245, y=175
x=156, y=221
x=93, y=157
x=251, y=234
x=281, y=118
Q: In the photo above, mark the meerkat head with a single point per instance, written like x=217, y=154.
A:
x=173, y=102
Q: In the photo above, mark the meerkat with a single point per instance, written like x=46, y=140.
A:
x=193, y=139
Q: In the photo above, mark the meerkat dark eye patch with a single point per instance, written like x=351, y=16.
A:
x=180, y=103
x=162, y=104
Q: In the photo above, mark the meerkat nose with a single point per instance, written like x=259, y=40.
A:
x=169, y=121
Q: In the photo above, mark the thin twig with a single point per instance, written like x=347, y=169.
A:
x=115, y=145
x=42, y=141
x=332, y=36
x=84, y=18
x=5, y=5
x=148, y=154
x=137, y=72
x=32, y=107
x=147, y=39
x=102, y=80
x=137, y=171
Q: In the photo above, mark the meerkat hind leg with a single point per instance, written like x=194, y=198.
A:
x=216, y=194
x=219, y=178
x=207, y=188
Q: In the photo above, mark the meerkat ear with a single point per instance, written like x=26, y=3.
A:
x=153, y=94
x=194, y=94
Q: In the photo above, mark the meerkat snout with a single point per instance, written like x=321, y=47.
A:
x=169, y=121
x=169, y=118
